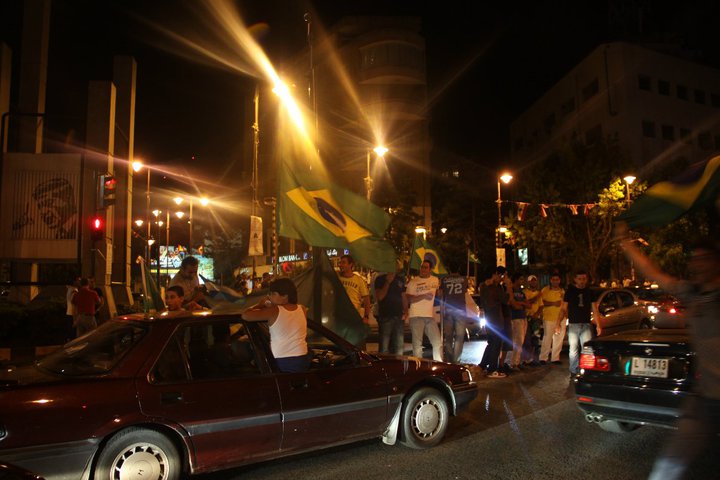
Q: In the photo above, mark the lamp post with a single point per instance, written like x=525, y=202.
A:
x=380, y=151
x=137, y=165
x=158, y=222
x=629, y=179
x=504, y=178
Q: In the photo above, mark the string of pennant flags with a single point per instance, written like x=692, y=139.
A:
x=575, y=208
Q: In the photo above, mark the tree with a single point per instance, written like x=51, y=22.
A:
x=575, y=240
x=227, y=249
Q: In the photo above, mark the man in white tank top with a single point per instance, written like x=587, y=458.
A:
x=287, y=322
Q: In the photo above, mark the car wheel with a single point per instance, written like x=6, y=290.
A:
x=424, y=419
x=615, y=426
x=137, y=452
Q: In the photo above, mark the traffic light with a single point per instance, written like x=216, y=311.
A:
x=97, y=229
x=108, y=187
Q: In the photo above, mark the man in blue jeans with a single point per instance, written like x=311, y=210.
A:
x=577, y=307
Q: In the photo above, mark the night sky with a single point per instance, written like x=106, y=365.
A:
x=486, y=63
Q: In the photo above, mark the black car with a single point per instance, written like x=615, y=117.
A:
x=633, y=378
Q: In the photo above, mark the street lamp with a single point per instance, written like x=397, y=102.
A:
x=380, y=151
x=629, y=181
x=504, y=178
x=178, y=201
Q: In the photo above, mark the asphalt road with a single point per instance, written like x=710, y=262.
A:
x=523, y=427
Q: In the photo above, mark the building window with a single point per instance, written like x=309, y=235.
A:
x=700, y=96
x=705, y=141
x=593, y=135
x=644, y=83
x=648, y=129
x=685, y=135
x=682, y=92
x=663, y=87
x=568, y=106
x=715, y=100
x=590, y=90
x=667, y=132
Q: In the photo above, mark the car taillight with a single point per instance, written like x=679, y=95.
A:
x=672, y=310
x=590, y=361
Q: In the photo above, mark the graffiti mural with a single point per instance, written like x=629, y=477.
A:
x=46, y=206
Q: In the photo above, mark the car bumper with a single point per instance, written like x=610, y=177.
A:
x=464, y=394
x=629, y=404
x=63, y=461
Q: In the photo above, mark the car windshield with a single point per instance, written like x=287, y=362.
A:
x=95, y=353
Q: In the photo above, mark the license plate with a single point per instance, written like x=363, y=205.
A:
x=649, y=367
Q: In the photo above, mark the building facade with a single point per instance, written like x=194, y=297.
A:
x=660, y=108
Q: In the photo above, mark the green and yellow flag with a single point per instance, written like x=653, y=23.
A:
x=153, y=301
x=423, y=251
x=315, y=210
x=665, y=202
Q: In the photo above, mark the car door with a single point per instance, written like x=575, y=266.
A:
x=608, y=309
x=343, y=396
x=632, y=314
x=210, y=382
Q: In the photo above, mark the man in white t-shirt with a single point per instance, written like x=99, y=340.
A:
x=420, y=294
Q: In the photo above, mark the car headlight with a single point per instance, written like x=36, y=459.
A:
x=653, y=309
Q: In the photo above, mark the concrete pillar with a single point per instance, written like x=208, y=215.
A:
x=100, y=147
x=124, y=78
x=33, y=74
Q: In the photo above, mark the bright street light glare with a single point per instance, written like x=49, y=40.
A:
x=204, y=202
x=137, y=165
x=380, y=150
x=629, y=179
x=506, y=177
x=180, y=214
x=420, y=230
x=139, y=222
x=156, y=212
x=178, y=200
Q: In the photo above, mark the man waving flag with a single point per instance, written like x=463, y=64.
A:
x=322, y=214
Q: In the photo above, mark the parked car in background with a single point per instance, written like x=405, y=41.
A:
x=169, y=396
x=663, y=309
x=618, y=310
x=634, y=378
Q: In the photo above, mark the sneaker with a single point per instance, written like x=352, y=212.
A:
x=543, y=362
x=557, y=362
x=534, y=363
x=496, y=374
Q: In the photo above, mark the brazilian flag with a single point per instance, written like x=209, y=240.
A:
x=153, y=301
x=423, y=251
x=665, y=202
x=322, y=214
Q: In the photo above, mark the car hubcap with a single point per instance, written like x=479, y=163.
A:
x=426, y=418
x=140, y=461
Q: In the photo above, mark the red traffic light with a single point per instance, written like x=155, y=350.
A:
x=110, y=183
x=97, y=229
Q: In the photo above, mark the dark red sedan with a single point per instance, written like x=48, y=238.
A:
x=164, y=398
